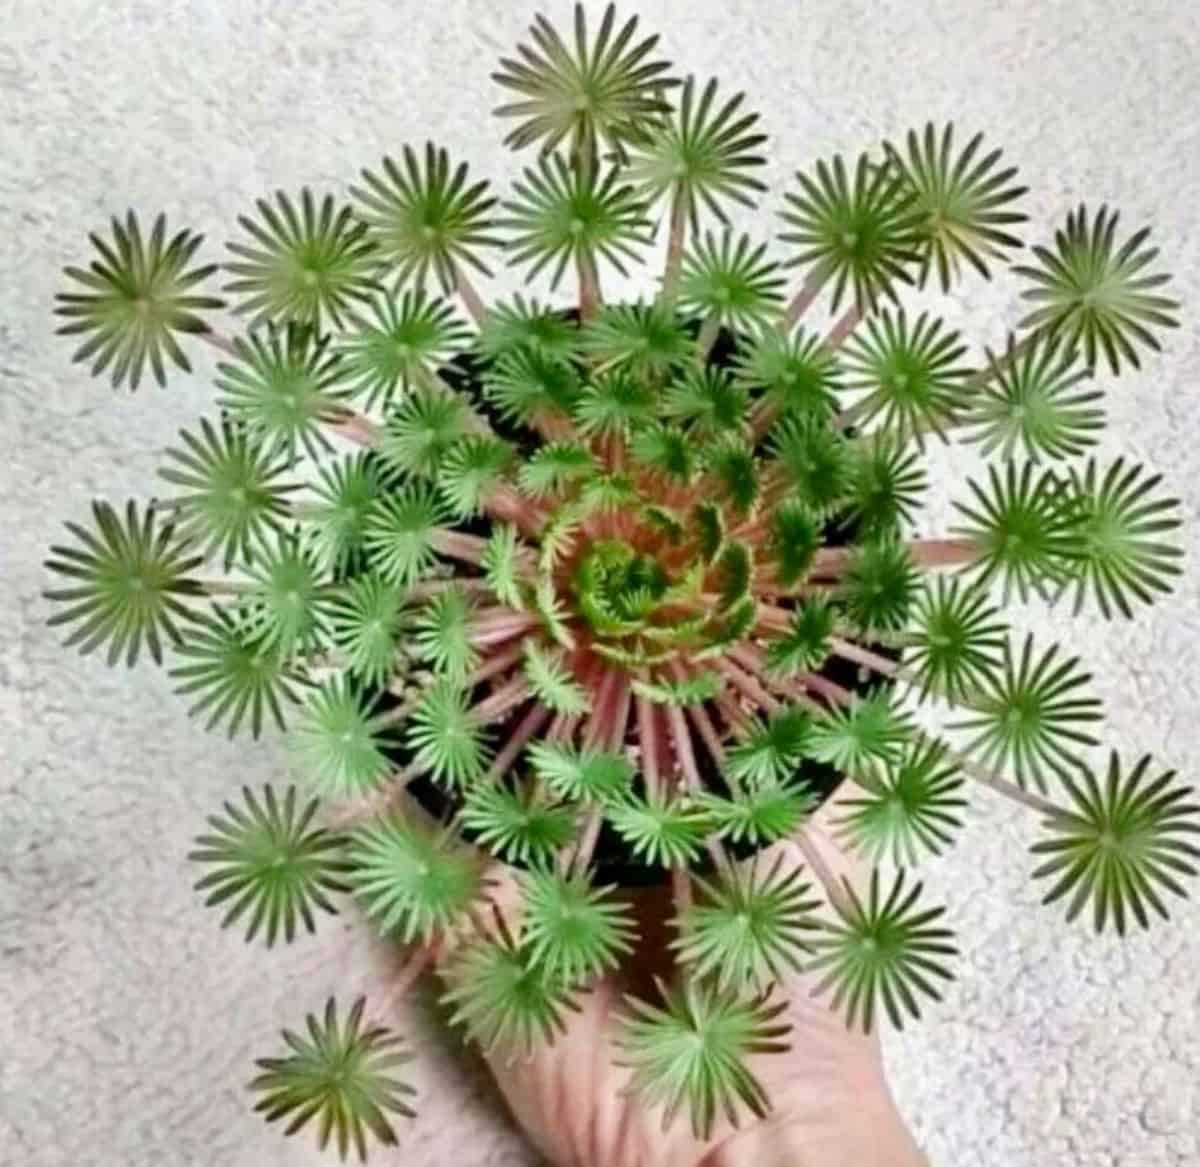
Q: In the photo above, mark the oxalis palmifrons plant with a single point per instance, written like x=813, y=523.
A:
x=596, y=577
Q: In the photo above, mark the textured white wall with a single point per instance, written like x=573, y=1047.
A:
x=127, y=1023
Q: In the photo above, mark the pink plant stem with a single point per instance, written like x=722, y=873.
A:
x=218, y=341
x=749, y=687
x=491, y=626
x=509, y=695
x=692, y=781
x=675, y=244
x=834, y=890
x=419, y=960
x=355, y=427
x=435, y=587
x=736, y=718
x=846, y=324
x=648, y=743
x=872, y=660
x=498, y=662
x=459, y=545
x=529, y=725
x=803, y=299
x=471, y=299
x=613, y=731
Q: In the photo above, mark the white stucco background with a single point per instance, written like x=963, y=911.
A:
x=127, y=1021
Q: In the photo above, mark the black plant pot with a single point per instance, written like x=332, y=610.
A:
x=612, y=860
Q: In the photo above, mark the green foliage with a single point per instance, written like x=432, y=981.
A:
x=127, y=583
x=702, y=155
x=470, y=471
x=804, y=647
x=287, y=601
x=445, y=735
x=140, y=294
x=816, y=463
x=575, y=931
x=580, y=774
x=413, y=883
x=602, y=92
x=519, y=825
x=552, y=682
x=305, y=266
x=961, y=206
x=526, y=384
x=880, y=586
x=1092, y=294
x=1120, y=845
x=692, y=1051
x=400, y=530
x=339, y=743
x=707, y=400
x=612, y=405
x=559, y=215
x=1030, y=399
x=888, y=482
x=501, y=565
x=1032, y=715
x=909, y=806
x=661, y=831
x=426, y=220
x=852, y=737
x=885, y=951
x=648, y=341
x=910, y=376
x=526, y=325
x=232, y=674
x=504, y=997
x=271, y=862
x=335, y=525
x=421, y=431
x=956, y=639
x=441, y=634
x=402, y=340
x=798, y=372
x=282, y=387
x=749, y=928
x=729, y=279
x=342, y=1075
x=1022, y=530
x=366, y=618
x=1119, y=555
x=762, y=813
x=771, y=750
x=232, y=499
x=863, y=233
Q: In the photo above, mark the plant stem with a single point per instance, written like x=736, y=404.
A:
x=467, y=293
x=706, y=337
x=356, y=427
x=225, y=587
x=676, y=241
x=846, y=324
x=218, y=341
x=589, y=288
x=834, y=890
x=417, y=962
x=993, y=781
x=803, y=299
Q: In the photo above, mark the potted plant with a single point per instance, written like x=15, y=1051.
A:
x=611, y=594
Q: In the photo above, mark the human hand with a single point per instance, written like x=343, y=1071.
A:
x=830, y=1104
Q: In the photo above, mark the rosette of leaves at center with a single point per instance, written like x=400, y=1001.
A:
x=635, y=577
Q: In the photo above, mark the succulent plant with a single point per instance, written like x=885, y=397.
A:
x=632, y=585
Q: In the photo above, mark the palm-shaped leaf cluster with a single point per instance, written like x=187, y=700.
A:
x=342, y=1074
x=268, y=862
x=140, y=293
